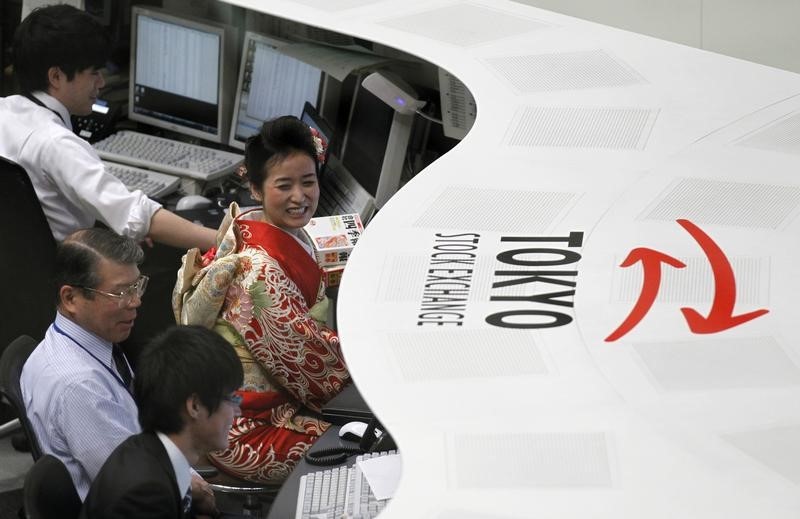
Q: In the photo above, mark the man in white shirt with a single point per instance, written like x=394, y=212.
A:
x=58, y=51
x=185, y=385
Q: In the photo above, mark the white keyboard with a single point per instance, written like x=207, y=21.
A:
x=152, y=183
x=168, y=156
x=339, y=492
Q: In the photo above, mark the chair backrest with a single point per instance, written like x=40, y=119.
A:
x=28, y=258
x=49, y=492
x=11, y=362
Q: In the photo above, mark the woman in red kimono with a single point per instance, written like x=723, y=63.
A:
x=262, y=290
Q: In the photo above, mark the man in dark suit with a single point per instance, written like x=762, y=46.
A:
x=185, y=386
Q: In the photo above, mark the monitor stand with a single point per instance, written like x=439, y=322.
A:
x=393, y=159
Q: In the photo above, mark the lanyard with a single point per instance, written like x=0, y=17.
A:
x=38, y=102
x=108, y=368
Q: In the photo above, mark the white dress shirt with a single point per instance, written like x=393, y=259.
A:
x=183, y=471
x=77, y=405
x=68, y=176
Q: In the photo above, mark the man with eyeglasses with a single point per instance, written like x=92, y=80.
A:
x=76, y=385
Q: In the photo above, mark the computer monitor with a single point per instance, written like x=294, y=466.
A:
x=340, y=193
x=312, y=118
x=180, y=74
x=270, y=84
x=375, y=145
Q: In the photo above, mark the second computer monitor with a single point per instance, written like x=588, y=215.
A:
x=270, y=84
x=367, y=139
x=179, y=77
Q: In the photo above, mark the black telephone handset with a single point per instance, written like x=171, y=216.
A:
x=99, y=124
x=375, y=439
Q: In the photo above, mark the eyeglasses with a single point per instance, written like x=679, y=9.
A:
x=233, y=399
x=124, y=297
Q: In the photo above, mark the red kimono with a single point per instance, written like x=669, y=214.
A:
x=269, y=299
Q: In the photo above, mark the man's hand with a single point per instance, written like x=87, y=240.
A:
x=203, y=500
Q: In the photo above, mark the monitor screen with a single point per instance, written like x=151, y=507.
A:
x=177, y=74
x=367, y=137
x=270, y=84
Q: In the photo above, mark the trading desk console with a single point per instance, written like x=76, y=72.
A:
x=589, y=305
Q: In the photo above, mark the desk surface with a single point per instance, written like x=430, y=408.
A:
x=349, y=402
x=285, y=503
x=619, y=231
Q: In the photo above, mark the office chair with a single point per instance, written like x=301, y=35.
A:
x=28, y=258
x=11, y=362
x=254, y=494
x=28, y=295
x=48, y=491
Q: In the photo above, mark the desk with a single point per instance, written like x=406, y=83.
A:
x=347, y=406
x=209, y=217
x=348, y=402
x=613, y=229
x=285, y=502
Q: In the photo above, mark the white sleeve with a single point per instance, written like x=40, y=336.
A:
x=74, y=167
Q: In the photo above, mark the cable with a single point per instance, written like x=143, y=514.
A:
x=428, y=117
x=332, y=455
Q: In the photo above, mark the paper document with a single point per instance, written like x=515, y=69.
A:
x=383, y=474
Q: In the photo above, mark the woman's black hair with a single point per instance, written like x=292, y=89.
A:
x=277, y=139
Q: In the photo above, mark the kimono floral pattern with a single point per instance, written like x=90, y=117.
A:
x=293, y=363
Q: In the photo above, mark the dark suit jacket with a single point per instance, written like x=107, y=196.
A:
x=137, y=481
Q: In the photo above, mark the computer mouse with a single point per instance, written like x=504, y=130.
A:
x=193, y=202
x=352, y=431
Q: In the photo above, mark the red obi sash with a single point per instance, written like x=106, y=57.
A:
x=295, y=261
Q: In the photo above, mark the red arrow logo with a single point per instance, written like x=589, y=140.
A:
x=651, y=281
x=720, y=317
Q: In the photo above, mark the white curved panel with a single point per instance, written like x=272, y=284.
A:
x=624, y=407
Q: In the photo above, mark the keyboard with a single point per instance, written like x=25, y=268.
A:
x=338, y=492
x=152, y=183
x=167, y=155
